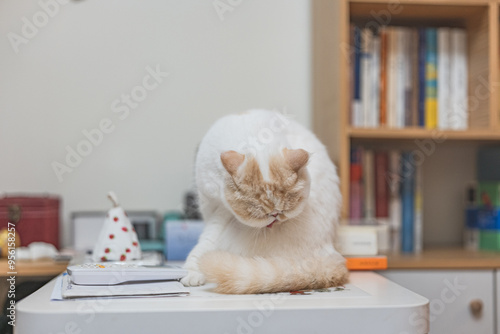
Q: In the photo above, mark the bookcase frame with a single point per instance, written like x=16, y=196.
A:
x=480, y=18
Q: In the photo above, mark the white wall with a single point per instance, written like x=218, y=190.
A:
x=65, y=77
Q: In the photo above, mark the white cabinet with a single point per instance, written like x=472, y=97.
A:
x=461, y=301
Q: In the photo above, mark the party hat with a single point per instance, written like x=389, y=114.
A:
x=117, y=240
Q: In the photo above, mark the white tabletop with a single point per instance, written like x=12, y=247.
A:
x=369, y=304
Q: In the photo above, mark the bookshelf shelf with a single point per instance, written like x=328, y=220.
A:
x=419, y=133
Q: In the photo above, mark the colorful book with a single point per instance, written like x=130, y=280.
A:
x=431, y=78
x=374, y=116
x=393, y=180
x=366, y=74
x=351, y=71
x=421, y=76
x=376, y=262
x=443, y=84
x=408, y=77
x=356, y=118
x=458, y=119
x=407, y=202
x=419, y=211
x=391, y=77
x=415, y=77
x=369, y=184
x=400, y=76
x=381, y=186
x=355, y=186
x=384, y=42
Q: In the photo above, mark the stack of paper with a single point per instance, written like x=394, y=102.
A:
x=65, y=289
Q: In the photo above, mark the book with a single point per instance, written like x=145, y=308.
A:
x=431, y=78
x=400, y=76
x=391, y=77
x=356, y=117
x=374, y=118
x=355, y=186
x=381, y=186
x=422, y=44
x=369, y=184
x=393, y=180
x=375, y=262
x=443, y=61
x=383, y=76
x=415, y=77
x=407, y=202
x=351, y=71
x=366, y=74
x=458, y=118
x=418, y=211
x=408, y=77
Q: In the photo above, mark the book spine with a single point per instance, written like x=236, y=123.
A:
x=356, y=107
x=458, y=119
x=419, y=214
x=352, y=52
x=383, y=76
x=369, y=184
x=366, y=72
x=443, y=61
x=381, y=186
x=366, y=263
x=421, y=76
x=375, y=93
x=415, y=77
x=393, y=180
x=391, y=77
x=400, y=74
x=356, y=193
x=407, y=203
x=431, y=79
x=408, y=88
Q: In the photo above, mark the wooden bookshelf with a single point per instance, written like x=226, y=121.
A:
x=331, y=107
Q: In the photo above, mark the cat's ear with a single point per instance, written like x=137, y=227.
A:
x=231, y=160
x=296, y=158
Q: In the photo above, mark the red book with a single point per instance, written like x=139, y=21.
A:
x=381, y=185
x=356, y=187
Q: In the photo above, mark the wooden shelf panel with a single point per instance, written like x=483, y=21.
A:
x=34, y=268
x=419, y=133
x=446, y=258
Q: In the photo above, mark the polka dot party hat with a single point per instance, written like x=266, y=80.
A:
x=117, y=240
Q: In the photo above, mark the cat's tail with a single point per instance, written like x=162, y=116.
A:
x=242, y=275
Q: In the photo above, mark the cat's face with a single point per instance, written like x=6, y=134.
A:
x=262, y=203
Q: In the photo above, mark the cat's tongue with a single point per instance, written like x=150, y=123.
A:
x=271, y=225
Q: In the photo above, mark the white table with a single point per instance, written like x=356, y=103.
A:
x=370, y=304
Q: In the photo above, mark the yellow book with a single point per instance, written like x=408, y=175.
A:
x=431, y=79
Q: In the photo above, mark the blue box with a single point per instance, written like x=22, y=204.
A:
x=180, y=238
x=483, y=219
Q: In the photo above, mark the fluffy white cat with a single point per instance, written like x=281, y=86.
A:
x=270, y=199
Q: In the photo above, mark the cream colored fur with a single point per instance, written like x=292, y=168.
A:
x=240, y=253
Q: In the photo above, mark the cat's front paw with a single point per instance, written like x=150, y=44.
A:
x=193, y=278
